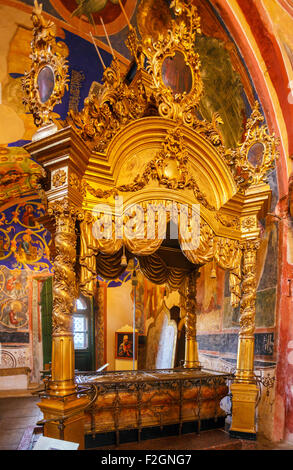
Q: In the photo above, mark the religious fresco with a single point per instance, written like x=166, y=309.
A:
x=217, y=318
x=23, y=240
x=149, y=301
x=280, y=13
x=14, y=300
x=224, y=92
x=149, y=297
x=83, y=13
x=18, y=173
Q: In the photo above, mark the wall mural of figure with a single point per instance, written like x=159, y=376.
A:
x=125, y=348
x=28, y=218
x=13, y=300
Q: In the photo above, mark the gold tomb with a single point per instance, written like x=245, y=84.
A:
x=180, y=159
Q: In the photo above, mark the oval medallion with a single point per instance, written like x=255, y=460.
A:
x=176, y=74
x=46, y=83
x=255, y=154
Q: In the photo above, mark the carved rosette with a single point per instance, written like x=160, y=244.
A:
x=247, y=306
x=64, y=286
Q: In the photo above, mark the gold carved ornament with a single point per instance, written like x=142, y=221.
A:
x=118, y=103
x=59, y=178
x=226, y=252
x=44, y=85
x=190, y=305
x=105, y=113
x=179, y=41
x=64, y=287
x=255, y=157
x=247, y=306
x=169, y=167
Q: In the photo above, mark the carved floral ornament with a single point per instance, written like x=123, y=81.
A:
x=255, y=157
x=59, y=178
x=44, y=85
x=169, y=167
x=172, y=95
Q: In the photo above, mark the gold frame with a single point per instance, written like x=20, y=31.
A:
x=44, y=54
x=181, y=37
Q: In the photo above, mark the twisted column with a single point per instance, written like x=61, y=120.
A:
x=64, y=295
x=245, y=355
x=191, y=348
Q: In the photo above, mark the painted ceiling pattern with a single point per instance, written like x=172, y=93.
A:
x=23, y=240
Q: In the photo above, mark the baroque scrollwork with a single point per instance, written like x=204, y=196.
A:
x=191, y=305
x=105, y=114
x=255, y=157
x=169, y=167
x=64, y=286
x=47, y=60
x=179, y=39
x=247, y=306
x=59, y=178
x=228, y=221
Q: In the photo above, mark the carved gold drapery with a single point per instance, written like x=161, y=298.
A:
x=154, y=268
x=103, y=255
x=226, y=252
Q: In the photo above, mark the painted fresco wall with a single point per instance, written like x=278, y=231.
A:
x=218, y=322
x=24, y=251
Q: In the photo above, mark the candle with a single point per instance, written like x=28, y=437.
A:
x=124, y=13
x=106, y=34
x=97, y=49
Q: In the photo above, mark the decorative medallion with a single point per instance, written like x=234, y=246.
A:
x=59, y=178
x=45, y=84
x=255, y=157
x=174, y=65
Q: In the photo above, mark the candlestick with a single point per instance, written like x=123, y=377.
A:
x=97, y=49
x=106, y=34
x=124, y=13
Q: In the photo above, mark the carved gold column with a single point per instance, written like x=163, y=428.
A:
x=64, y=157
x=244, y=389
x=64, y=295
x=191, y=347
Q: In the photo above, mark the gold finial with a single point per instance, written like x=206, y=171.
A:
x=44, y=85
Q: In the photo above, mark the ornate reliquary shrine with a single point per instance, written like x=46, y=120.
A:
x=140, y=140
